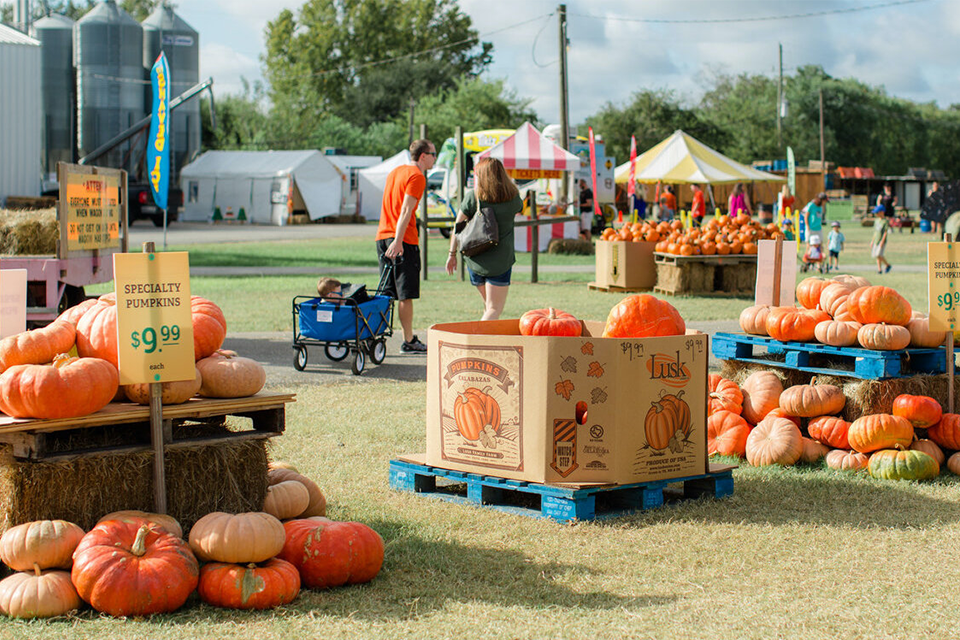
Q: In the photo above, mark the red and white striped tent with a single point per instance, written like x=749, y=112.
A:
x=528, y=154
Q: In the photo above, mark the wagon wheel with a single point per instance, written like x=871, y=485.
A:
x=378, y=351
x=359, y=361
x=300, y=359
x=336, y=352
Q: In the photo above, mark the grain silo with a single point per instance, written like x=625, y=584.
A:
x=20, y=124
x=108, y=56
x=55, y=33
x=164, y=30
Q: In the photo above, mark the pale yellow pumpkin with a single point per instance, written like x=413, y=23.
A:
x=227, y=375
x=930, y=448
x=753, y=319
x=883, y=337
x=834, y=295
x=844, y=460
x=774, y=441
x=286, y=500
x=812, y=451
x=240, y=538
x=48, y=544
x=812, y=400
x=922, y=336
x=318, y=502
x=38, y=594
x=837, y=333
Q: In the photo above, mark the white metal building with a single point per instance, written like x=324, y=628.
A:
x=351, y=166
x=21, y=126
x=263, y=187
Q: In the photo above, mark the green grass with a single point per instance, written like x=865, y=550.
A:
x=802, y=552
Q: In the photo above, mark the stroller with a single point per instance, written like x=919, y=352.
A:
x=813, y=256
x=359, y=325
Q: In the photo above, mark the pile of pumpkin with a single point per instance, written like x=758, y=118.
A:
x=134, y=563
x=844, y=311
x=637, y=316
x=764, y=423
x=39, y=379
x=721, y=235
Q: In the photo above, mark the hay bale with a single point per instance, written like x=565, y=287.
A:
x=685, y=277
x=570, y=246
x=863, y=396
x=223, y=476
x=29, y=232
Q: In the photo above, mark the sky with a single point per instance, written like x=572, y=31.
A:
x=617, y=47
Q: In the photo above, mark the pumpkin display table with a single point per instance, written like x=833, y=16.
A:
x=78, y=468
x=732, y=275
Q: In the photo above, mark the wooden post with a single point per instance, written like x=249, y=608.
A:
x=423, y=219
x=777, y=268
x=461, y=180
x=157, y=435
x=534, y=236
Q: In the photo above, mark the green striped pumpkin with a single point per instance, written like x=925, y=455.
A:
x=903, y=464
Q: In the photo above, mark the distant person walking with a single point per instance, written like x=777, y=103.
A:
x=938, y=224
x=785, y=201
x=398, y=239
x=586, y=210
x=888, y=202
x=490, y=271
x=739, y=201
x=668, y=204
x=834, y=245
x=813, y=214
x=878, y=243
x=698, y=208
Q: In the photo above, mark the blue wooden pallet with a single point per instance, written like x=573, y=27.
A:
x=848, y=361
x=557, y=502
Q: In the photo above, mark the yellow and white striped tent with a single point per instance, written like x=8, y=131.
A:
x=682, y=159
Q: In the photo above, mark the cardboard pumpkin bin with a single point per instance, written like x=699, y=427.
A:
x=566, y=410
x=626, y=265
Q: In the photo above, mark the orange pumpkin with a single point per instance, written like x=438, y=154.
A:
x=74, y=313
x=879, y=431
x=830, y=430
x=37, y=346
x=331, y=554
x=774, y=441
x=476, y=412
x=549, y=322
x=727, y=434
x=724, y=395
x=930, y=448
x=68, y=388
x=643, y=316
x=872, y=305
x=250, y=586
x=809, y=290
x=224, y=374
x=809, y=400
x=209, y=327
x=761, y=395
x=753, y=319
x=883, y=337
x=97, y=330
x=946, y=432
x=812, y=451
x=790, y=324
x=922, y=411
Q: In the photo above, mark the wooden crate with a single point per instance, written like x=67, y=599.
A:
x=721, y=276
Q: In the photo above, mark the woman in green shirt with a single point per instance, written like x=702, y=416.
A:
x=879, y=242
x=490, y=271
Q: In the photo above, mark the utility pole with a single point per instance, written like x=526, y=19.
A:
x=413, y=103
x=564, y=90
x=823, y=162
x=780, y=101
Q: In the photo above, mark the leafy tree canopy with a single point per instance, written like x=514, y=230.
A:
x=76, y=9
x=363, y=60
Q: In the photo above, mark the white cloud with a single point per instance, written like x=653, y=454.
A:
x=226, y=66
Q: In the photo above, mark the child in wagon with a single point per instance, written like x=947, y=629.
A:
x=814, y=254
x=335, y=292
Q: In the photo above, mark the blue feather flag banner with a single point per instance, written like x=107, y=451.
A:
x=158, y=145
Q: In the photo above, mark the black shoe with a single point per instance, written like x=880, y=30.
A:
x=414, y=346
x=887, y=270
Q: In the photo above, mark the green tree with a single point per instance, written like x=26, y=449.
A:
x=364, y=59
x=651, y=116
x=140, y=9
x=240, y=119
x=473, y=104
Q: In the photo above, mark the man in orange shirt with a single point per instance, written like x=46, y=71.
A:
x=398, y=239
x=699, y=208
x=668, y=204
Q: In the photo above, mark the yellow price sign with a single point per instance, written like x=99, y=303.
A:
x=154, y=323
x=943, y=278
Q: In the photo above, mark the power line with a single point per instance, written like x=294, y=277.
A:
x=533, y=47
x=474, y=39
x=810, y=14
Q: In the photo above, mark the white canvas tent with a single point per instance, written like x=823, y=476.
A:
x=256, y=186
x=373, y=180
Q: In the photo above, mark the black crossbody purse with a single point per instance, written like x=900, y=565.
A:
x=478, y=234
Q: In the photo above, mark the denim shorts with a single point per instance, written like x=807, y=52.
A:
x=502, y=280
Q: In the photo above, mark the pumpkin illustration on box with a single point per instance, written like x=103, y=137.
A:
x=668, y=423
x=477, y=416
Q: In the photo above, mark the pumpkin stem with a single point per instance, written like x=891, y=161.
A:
x=139, y=546
x=551, y=313
x=61, y=359
x=657, y=406
x=36, y=568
